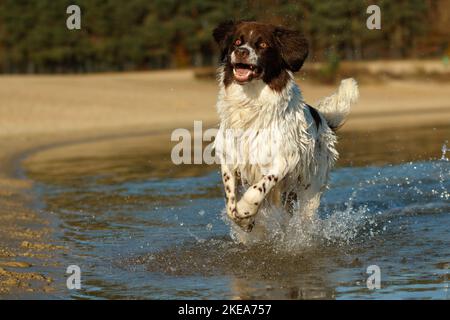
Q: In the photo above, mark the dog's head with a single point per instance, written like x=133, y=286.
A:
x=253, y=50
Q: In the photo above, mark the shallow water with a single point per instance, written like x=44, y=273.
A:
x=140, y=227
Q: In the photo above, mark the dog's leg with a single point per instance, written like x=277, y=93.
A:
x=275, y=196
x=309, y=203
x=289, y=203
x=250, y=202
x=248, y=205
x=309, y=199
x=229, y=183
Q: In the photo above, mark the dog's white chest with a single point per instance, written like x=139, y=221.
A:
x=250, y=133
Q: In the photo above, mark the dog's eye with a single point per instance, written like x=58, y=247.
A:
x=263, y=45
x=237, y=42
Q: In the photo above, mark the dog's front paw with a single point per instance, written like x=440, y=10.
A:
x=245, y=209
x=245, y=224
x=243, y=215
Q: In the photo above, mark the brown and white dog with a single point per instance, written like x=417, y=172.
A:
x=274, y=149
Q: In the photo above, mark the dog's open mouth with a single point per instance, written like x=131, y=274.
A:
x=245, y=72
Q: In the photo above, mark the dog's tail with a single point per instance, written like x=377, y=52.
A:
x=336, y=107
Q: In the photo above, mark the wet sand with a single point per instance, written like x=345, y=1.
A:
x=41, y=111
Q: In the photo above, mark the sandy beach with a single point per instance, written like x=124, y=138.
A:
x=40, y=111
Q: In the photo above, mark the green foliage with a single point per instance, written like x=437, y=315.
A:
x=145, y=34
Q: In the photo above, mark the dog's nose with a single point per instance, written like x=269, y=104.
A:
x=241, y=53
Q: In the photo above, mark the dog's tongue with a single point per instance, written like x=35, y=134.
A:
x=242, y=74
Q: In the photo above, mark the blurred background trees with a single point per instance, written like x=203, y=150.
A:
x=121, y=35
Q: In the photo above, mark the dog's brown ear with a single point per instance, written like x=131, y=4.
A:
x=293, y=47
x=223, y=31
x=222, y=34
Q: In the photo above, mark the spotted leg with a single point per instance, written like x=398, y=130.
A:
x=229, y=182
x=248, y=205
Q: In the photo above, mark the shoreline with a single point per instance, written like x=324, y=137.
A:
x=27, y=126
x=30, y=246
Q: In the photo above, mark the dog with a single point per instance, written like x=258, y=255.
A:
x=274, y=149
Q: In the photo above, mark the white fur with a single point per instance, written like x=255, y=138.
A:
x=252, y=56
x=336, y=107
x=300, y=154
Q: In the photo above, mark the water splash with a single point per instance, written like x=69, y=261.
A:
x=338, y=228
x=444, y=151
x=442, y=175
x=375, y=198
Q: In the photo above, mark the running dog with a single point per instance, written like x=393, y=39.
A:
x=274, y=149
